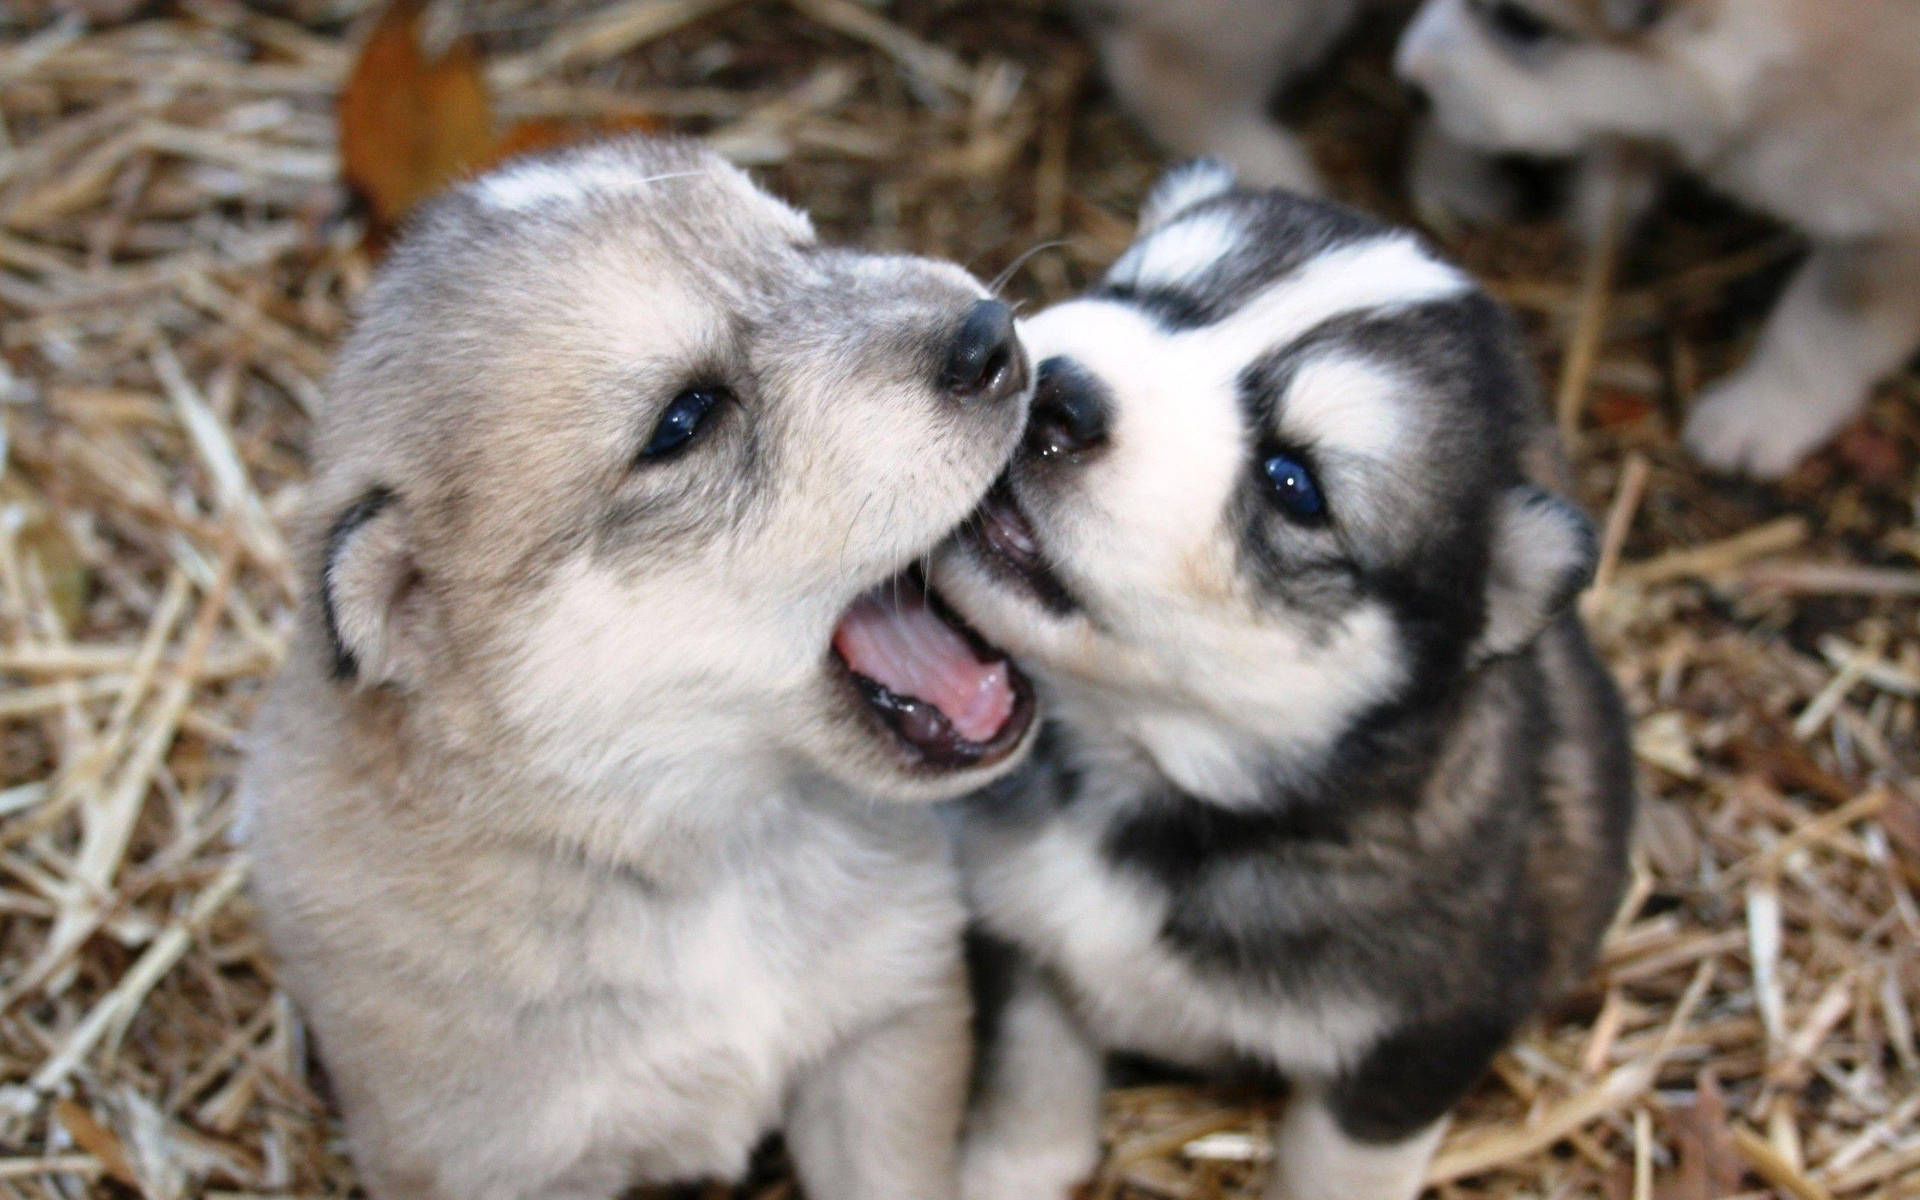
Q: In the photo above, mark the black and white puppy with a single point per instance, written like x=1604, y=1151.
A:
x=1335, y=787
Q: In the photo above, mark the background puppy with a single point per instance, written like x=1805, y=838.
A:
x=1335, y=787
x=1807, y=109
x=1199, y=75
x=563, y=808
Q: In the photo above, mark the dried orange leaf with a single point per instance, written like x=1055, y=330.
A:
x=409, y=125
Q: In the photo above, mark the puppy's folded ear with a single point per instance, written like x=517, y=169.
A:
x=1184, y=186
x=1544, y=552
x=377, y=614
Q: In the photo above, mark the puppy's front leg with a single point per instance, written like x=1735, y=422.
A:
x=1370, y=1134
x=1317, y=1159
x=880, y=1118
x=1034, y=1132
x=1848, y=319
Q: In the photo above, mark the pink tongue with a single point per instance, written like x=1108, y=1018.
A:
x=893, y=638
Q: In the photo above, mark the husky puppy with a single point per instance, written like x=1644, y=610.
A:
x=1807, y=109
x=569, y=810
x=1334, y=786
x=1199, y=74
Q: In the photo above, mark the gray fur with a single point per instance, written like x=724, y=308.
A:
x=573, y=844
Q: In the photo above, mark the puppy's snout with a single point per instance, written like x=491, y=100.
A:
x=1071, y=412
x=984, y=363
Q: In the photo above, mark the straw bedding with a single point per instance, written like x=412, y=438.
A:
x=177, y=259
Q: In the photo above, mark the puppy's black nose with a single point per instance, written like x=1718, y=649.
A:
x=984, y=363
x=1071, y=411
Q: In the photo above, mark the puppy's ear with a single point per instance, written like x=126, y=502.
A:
x=1632, y=16
x=1544, y=552
x=1182, y=187
x=378, y=620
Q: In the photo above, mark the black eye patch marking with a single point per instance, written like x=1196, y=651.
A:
x=365, y=509
x=1452, y=354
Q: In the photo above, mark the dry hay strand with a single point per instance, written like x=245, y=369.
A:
x=177, y=261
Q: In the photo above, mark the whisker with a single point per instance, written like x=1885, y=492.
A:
x=1000, y=280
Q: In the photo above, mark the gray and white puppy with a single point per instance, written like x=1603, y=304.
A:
x=1805, y=109
x=1334, y=787
x=570, y=808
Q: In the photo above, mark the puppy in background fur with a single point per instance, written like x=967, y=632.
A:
x=1199, y=74
x=574, y=809
x=1806, y=109
x=1333, y=787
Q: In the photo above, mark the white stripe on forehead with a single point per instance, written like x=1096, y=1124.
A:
x=1180, y=253
x=1346, y=403
x=1384, y=274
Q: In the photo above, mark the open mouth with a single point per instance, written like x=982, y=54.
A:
x=1004, y=537
x=949, y=698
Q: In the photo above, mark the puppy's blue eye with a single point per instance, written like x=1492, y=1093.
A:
x=1294, y=489
x=682, y=421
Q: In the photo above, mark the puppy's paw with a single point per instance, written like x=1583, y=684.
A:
x=1020, y=1172
x=1762, y=423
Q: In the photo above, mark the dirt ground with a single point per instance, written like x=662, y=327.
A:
x=178, y=258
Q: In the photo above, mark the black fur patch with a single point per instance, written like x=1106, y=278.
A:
x=1174, y=837
x=1169, y=308
x=365, y=509
x=1325, y=888
x=993, y=968
x=1415, y=1076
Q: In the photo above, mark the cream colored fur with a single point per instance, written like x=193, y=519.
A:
x=570, y=844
